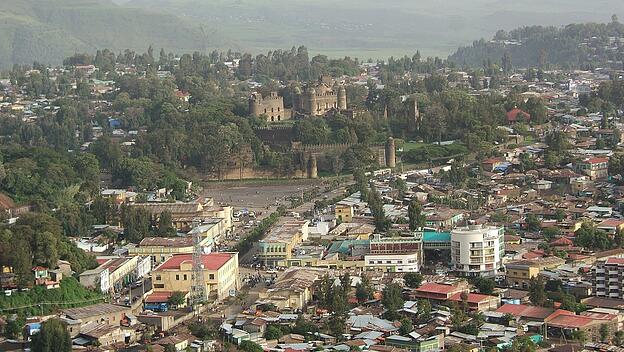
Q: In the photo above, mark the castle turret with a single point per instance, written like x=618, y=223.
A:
x=254, y=104
x=390, y=153
x=342, y=98
x=312, y=167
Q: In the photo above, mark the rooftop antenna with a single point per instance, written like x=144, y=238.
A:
x=198, y=288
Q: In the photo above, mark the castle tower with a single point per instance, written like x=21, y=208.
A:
x=413, y=117
x=312, y=167
x=390, y=153
x=342, y=98
x=254, y=104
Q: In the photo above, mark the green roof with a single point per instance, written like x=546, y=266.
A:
x=343, y=246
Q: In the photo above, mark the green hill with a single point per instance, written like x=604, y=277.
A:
x=373, y=28
x=50, y=30
x=573, y=46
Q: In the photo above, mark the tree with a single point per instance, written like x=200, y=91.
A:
x=136, y=222
x=618, y=340
x=53, y=337
x=376, y=206
x=413, y=280
x=506, y=62
x=458, y=317
x=176, y=299
x=249, y=346
x=604, y=333
x=406, y=326
x=363, y=290
x=165, y=225
x=537, y=293
x=392, y=300
x=580, y=336
x=523, y=344
x=14, y=327
x=272, y=332
x=533, y=223
x=336, y=325
x=417, y=219
x=424, y=310
x=485, y=285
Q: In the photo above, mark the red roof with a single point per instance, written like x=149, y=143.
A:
x=211, y=261
x=597, y=160
x=39, y=268
x=432, y=287
x=611, y=223
x=159, y=296
x=514, y=114
x=472, y=297
x=562, y=241
x=523, y=310
x=566, y=319
x=617, y=261
x=533, y=254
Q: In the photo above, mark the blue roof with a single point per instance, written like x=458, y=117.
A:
x=434, y=236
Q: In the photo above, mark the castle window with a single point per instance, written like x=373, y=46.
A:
x=279, y=117
x=265, y=110
x=272, y=118
x=278, y=109
x=272, y=110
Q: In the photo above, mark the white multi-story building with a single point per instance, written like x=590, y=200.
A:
x=477, y=250
x=609, y=278
x=393, y=263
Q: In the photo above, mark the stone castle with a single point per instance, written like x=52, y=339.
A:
x=271, y=106
x=316, y=99
x=320, y=99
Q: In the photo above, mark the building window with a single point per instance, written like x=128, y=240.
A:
x=184, y=277
x=211, y=276
x=158, y=278
x=178, y=277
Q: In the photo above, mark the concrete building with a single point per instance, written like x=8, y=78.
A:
x=477, y=250
x=397, y=245
x=113, y=273
x=278, y=245
x=98, y=313
x=519, y=273
x=609, y=278
x=221, y=274
x=393, y=263
x=293, y=289
x=163, y=248
x=595, y=168
x=185, y=215
x=343, y=212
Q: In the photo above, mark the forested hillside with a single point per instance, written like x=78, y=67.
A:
x=573, y=46
x=48, y=31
